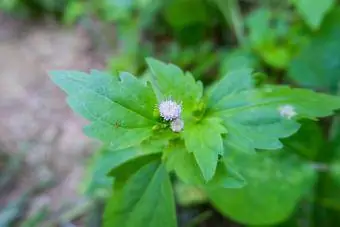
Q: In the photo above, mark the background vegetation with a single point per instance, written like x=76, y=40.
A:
x=294, y=42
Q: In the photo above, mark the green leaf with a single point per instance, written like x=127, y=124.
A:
x=307, y=103
x=258, y=23
x=186, y=168
x=234, y=81
x=171, y=82
x=254, y=118
x=318, y=64
x=107, y=160
x=176, y=13
x=120, y=109
x=188, y=195
x=124, y=170
x=226, y=177
x=329, y=181
x=275, y=183
x=313, y=12
x=183, y=164
x=238, y=59
x=308, y=141
x=204, y=140
x=146, y=198
x=268, y=32
x=258, y=128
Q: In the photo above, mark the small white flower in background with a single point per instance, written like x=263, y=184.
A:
x=287, y=111
x=177, y=125
x=169, y=110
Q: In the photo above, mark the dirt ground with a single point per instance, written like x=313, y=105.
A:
x=34, y=118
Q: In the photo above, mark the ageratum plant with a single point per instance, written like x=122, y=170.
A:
x=169, y=123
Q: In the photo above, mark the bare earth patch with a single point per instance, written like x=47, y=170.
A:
x=34, y=117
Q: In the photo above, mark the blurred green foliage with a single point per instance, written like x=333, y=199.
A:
x=292, y=41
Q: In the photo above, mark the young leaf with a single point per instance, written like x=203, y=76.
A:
x=171, y=82
x=313, y=12
x=204, y=140
x=120, y=109
x=146, y=199
x=183, y=164
x=275, y=184
x=186, y=168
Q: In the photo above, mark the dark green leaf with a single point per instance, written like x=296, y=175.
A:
x=124, y=170
x=107, y=160
x=176, y=13
x=145, y=199
x=275, y=183
x=308, y=141
x=318, y=64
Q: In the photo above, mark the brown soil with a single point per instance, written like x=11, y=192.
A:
x=34, y=117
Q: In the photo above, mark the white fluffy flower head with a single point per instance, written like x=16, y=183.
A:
x=170, y=110
x=177, y=125
x=287, y=111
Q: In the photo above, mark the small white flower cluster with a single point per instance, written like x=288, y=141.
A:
x=171, y=111
x=287, y=111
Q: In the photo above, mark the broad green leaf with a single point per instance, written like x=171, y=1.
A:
x=107, y=160
x=183, y=164
x=253, y=117
x=204, y=140
x=226, y=177
x=146, y=199
x=313, y=11
x=186, y=168
x=120, y=109
x=306, y=103
x=234, y=81
x=123, y=171
x=318, y=64
x=257, y=128
x=171, y=82
x=275, y=183
x=311, y=134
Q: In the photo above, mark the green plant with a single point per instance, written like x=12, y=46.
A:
x=216, y=138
